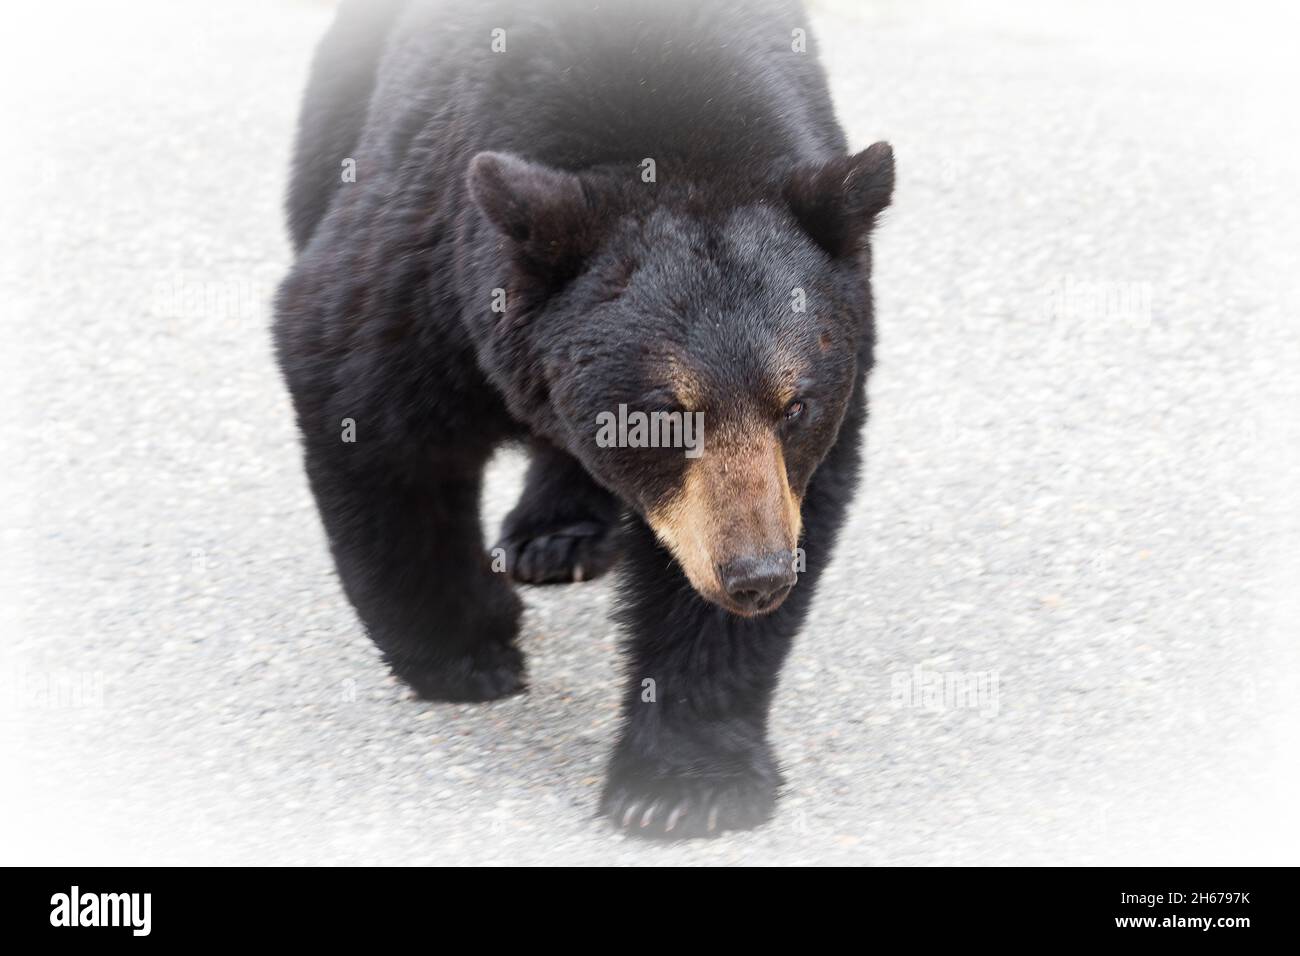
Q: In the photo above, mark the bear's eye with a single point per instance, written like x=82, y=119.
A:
x=795, y=410
x=666, y=403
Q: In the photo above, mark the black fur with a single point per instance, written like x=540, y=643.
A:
x=521, y=171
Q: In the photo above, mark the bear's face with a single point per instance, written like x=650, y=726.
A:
x=697, y=361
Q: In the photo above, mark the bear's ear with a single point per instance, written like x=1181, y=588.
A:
x=546, y=213
x=837, y=202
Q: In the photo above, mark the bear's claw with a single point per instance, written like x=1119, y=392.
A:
x=574, y=552
x=682, y=808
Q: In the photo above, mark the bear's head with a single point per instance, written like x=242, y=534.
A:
x=694, y=345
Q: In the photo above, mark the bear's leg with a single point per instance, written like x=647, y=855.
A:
x=564, y=527
x=693, y=757
x=409, y=548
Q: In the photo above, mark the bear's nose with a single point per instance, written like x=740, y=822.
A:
x=758, y=583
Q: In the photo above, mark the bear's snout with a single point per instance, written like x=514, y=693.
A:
x=734, y=524
x=759, y=583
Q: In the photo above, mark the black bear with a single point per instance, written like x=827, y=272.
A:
x=528, y=221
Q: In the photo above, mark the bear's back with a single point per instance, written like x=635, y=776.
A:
x=675, y=80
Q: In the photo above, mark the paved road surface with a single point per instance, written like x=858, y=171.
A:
x=1082, y=435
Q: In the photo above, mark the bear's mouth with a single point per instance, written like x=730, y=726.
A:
x=759, y=607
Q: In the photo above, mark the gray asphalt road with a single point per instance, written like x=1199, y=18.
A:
x=1078, y=504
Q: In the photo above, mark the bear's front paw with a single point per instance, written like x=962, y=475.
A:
x=578, y=551
x=490, y=671
x=684, y=807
